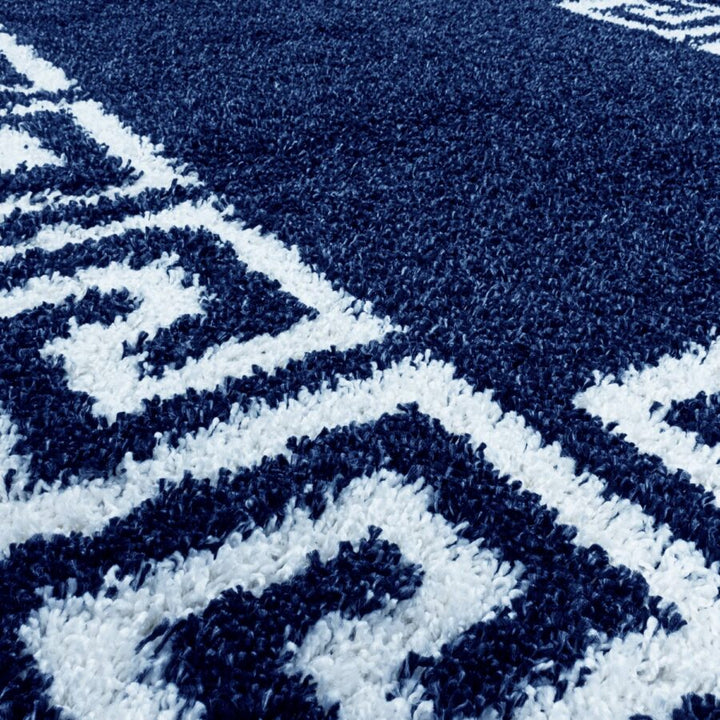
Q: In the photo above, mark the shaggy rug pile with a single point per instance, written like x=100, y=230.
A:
x=359, y=360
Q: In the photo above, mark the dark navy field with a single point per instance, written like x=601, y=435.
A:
x=527, y=192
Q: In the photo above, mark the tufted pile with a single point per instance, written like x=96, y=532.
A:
x=360, y=359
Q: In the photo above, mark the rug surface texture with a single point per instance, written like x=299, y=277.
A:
x=359, y=360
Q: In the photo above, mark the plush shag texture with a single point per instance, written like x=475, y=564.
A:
x=358, y=360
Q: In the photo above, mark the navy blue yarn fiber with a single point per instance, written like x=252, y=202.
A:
x=490, y=184
x=86, y=167
x=238, y=305
x=532, y=196
x=564, y=582
x=10, y=76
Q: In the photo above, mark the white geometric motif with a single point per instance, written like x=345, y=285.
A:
x=696, y=24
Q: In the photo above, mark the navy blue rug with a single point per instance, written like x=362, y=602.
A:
x=359, y=359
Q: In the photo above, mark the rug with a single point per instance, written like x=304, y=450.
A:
x=359, y=359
